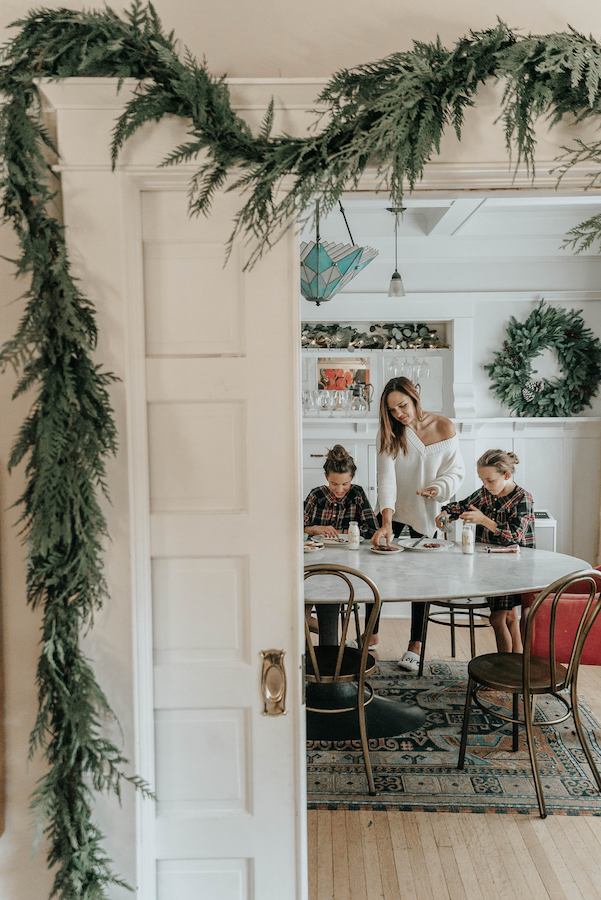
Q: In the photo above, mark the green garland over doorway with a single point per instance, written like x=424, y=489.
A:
x=391, y=114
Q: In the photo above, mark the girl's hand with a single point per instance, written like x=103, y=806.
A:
x=326, y=530
x=384, y=532
x=474, y=515
x=442, y=519
x=430, y=492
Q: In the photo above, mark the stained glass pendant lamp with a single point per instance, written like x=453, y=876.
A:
x=326, y=267
x=396, y=287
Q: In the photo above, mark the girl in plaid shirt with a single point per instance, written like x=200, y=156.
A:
x=328, y=512
x=503, y=513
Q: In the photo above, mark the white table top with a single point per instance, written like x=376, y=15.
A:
x=442, y=575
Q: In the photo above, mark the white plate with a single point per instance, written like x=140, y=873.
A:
x=383, y=552
x=310, y=547
x=337, y=542
x=407, y=544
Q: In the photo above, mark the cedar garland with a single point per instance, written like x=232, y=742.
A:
x=391, y=113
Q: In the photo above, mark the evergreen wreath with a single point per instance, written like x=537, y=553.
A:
x=390, y=113
x=578, y=353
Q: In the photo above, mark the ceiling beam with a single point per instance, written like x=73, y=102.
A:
x=456, y=216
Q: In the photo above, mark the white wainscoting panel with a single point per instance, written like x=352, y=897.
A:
x=218, y=737
x=209, y=879
x=200, y=609
x=194, y=306
x=197, y=456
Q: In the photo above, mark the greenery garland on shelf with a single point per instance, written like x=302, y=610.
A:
x=390, y=113
x=380, y=336
x=578, y=353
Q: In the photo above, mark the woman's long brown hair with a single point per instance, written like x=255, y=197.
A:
x=392, y=433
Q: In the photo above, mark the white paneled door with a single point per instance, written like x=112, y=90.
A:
x=216, y=421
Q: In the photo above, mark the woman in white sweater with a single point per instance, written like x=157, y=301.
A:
x=419, y=468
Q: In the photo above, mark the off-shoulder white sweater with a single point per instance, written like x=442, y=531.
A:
x=438, y=464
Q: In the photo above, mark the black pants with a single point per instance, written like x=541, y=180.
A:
x=417, y=609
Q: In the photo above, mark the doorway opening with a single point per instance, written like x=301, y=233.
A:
x=469, y=261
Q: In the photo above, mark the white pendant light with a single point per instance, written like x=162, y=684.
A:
x=396, y=287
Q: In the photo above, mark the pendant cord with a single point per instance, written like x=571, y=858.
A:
x=396, y=242
x=345, y=222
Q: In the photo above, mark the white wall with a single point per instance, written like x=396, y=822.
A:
x=316, y=38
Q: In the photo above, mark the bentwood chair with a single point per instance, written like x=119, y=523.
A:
x=554, y=673
x=445, y=613
x=336, y=675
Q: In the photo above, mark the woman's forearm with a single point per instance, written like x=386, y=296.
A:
x=386, y=516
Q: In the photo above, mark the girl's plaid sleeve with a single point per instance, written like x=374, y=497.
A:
x=517, y=526
x=455, y=509
x=309, y=508
x=368, y=523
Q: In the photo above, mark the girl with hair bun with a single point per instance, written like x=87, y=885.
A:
x=503, y=513
x=329, y=509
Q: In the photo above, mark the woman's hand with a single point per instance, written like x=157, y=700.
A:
x=430, y=492
x=475, y=516
x=384, y=532
x=326, y=530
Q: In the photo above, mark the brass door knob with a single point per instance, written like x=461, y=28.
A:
x=273, y=683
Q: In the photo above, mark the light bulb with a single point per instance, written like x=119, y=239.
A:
x=396, y=288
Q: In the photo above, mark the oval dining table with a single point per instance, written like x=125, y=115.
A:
x=425, y=576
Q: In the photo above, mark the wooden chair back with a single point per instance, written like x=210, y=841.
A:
x=561, y=672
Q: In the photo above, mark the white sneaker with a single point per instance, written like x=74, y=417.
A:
x=409, y=661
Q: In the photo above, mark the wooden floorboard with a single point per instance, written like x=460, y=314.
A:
x=393, y=855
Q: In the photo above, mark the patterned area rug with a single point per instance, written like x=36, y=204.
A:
x=418, y=770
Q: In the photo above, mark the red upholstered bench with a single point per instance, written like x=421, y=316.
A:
x=569, y=611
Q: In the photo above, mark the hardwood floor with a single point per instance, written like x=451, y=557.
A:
x=432, y=856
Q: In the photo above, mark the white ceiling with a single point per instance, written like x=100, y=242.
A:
x=471, y=243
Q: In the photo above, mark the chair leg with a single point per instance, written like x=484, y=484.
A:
x=422, y=652
x=452, y=620
x=528, y=718
x=466, y=722
x=363, y=736
x=515, y=738
x=582, y=736
x=470, y=613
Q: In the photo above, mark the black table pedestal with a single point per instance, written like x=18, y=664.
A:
x=384, y=717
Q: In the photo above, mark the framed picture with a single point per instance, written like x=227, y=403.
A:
x=342, y=374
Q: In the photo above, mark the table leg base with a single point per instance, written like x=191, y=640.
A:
x=385, y=717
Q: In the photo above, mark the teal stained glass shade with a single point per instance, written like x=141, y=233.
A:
x=327, y=267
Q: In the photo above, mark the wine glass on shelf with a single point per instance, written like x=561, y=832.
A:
x=409, y=369
x=395, y=367
x=327, y=401
x=422, y=369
